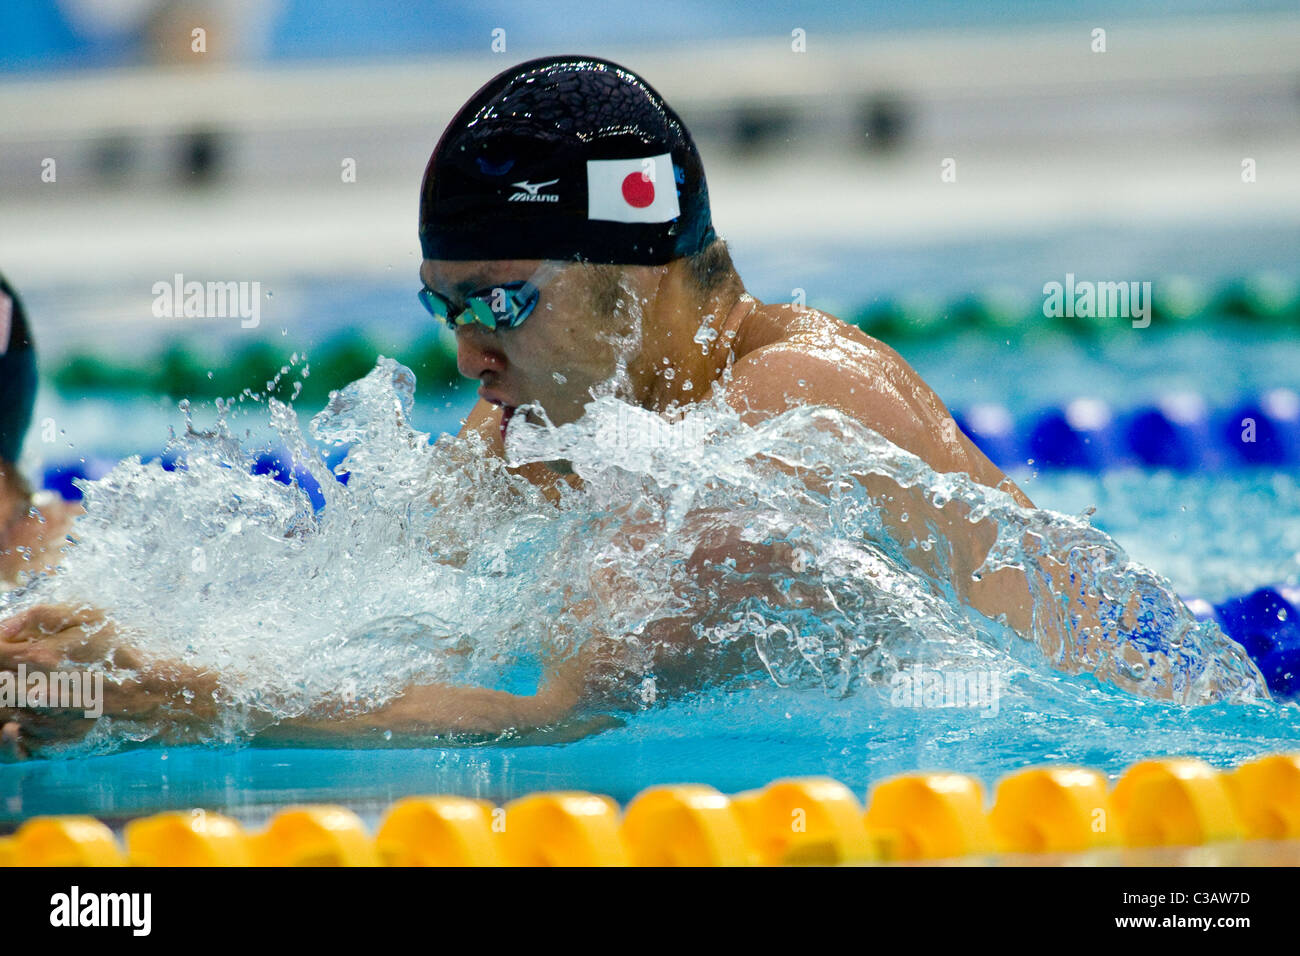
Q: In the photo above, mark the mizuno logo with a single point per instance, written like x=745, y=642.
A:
x=530, y=193
x=533, y=187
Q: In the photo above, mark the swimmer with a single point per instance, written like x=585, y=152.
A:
x=33, y=525
x=563, y=187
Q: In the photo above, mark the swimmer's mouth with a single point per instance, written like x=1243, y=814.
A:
x=507, y=410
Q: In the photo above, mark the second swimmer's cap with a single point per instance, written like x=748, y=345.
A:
x=17, y=374
x=565, y=157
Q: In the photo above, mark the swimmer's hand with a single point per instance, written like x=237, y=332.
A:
x=169, y=696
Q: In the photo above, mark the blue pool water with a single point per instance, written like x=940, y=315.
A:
x=737, y=741
x=1211, y=537
x=1205, y=535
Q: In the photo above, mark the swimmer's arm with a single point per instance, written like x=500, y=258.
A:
x=181, y=701
x=440, y=710
x=437, y=710
x=893, y=401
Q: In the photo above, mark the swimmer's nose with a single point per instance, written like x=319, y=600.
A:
x=476, y=354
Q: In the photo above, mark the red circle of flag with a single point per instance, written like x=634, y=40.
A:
x=638, y=190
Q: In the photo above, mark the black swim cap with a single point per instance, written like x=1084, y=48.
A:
x=563, y=157
x=17, y=374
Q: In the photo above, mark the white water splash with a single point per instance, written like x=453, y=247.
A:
x=436, y=564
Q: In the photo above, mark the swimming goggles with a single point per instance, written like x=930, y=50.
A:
x=504, y=305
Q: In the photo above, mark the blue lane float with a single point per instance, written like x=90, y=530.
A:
x=1266, y=623
x=282, y=468
x=1265, y=431
x=1080, y=436
x=1159, y=439
x=62, y=477
x=1177, y=432
x=275, y=463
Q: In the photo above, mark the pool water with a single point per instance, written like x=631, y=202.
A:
x=1207, y=536
x=735, y=741
x=743, y=736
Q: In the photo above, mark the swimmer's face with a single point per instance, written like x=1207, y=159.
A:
x=572, y=331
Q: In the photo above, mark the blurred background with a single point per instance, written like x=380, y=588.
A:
x=921, y=169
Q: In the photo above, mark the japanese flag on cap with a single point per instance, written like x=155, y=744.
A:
x=632, y=190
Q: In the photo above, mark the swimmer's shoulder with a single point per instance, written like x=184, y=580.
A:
x=815, y=354
x=804, y=356
x=777, y=327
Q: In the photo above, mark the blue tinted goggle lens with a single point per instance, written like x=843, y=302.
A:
x=502, y=306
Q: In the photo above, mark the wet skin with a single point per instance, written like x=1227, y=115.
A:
x=33, y=527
